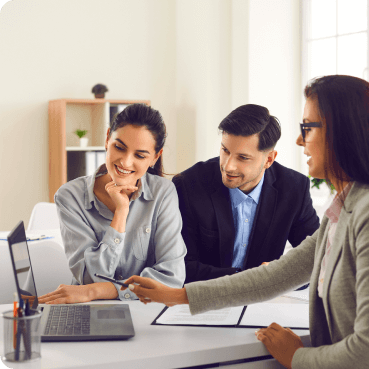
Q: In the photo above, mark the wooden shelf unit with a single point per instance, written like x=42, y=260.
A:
x=65, y=116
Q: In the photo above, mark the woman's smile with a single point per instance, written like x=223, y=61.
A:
x=122, y=172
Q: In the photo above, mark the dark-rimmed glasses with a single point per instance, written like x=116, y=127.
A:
x=305, y=127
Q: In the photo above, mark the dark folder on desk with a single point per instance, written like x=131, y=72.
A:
x=293, y=316
x=69, y=322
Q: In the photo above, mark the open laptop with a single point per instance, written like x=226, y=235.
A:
x=69, y=322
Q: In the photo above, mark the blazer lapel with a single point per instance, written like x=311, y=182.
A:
x=223, y=212
x=263, y=218
x=336, y=249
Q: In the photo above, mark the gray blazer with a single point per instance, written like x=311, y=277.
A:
x=339, y=322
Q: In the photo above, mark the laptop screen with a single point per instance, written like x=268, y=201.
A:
x=22, y=268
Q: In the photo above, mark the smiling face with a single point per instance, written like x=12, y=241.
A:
x=130, y=152
x=314, y=145
x=241, y=163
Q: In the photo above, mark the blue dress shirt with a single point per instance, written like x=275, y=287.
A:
x=243, y=210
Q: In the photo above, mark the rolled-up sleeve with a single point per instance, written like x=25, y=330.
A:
x=86, y=255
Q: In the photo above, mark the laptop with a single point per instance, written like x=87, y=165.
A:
x=68, y=322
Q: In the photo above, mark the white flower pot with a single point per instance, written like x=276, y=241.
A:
x=83, y=142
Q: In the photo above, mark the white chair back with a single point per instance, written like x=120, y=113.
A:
x=44, y=216
x=50, y=268
x=6, y=275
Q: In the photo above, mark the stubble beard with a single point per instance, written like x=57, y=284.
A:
x=240, y=179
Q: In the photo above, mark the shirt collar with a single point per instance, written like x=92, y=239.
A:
x=237, y=196
x=143, y=188
x=334, y=210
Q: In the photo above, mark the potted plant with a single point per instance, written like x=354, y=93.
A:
x=99, y=91
x=83, y=141
x=317, y=182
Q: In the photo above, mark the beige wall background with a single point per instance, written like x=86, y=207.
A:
x=195, y=60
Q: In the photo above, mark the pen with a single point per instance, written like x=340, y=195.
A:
x=111, y=279
x=15, y=314
x=36, y=238
x=19, y=330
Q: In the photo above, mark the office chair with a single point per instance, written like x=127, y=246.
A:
x=50, y=269
x=43, y=217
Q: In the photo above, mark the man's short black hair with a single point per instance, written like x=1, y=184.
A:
x=250, y=119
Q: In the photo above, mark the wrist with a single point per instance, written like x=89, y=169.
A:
x=102, y=291
x=122, y=210
x=92, y=292
x=183, y=296
x=119, y=221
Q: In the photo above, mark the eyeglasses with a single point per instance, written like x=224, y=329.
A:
x=306, y=127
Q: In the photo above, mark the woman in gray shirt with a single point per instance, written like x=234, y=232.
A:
x=124, y=219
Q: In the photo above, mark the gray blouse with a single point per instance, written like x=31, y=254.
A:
x=152, y=245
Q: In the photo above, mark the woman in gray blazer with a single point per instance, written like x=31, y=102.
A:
x=335, y=259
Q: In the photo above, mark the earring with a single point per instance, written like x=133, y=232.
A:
x=152, y=166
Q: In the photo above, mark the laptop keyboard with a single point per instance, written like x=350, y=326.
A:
x=68, y=320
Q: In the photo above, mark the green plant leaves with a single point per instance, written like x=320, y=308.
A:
x=80, y=132
x=316, y=182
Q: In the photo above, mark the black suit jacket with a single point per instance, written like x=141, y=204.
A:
x=284, y=212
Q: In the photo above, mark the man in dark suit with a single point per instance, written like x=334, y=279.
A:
x=239, y=209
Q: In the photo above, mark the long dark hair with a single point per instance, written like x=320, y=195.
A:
x=343, y=103
x=142, y=115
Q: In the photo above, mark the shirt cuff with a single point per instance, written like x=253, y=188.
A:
x=113, y=238
x=125, y=295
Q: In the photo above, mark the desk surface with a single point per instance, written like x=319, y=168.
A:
x=153, y=346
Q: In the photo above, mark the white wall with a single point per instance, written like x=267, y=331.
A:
x=195, y=60
x=231, y=53
x=203, y=77
x=57, y=49
x=274, y=49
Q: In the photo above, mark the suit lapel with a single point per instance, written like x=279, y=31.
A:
x=263, y=219
x=223, y=212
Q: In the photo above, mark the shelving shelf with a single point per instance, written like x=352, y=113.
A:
x=88, y=148
x=67, y=115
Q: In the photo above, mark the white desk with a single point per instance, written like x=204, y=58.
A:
x=153, y=346
x=157, y=346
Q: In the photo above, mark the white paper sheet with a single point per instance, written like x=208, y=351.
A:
x=302, y=295
x=180, y=314
x=286, y=315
